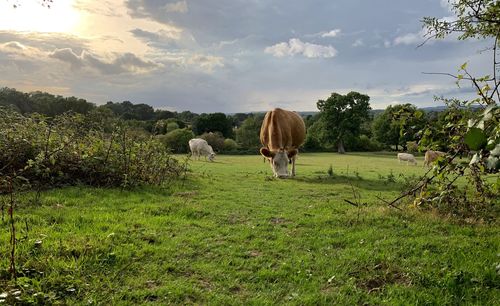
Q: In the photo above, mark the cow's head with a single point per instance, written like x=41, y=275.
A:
x=279, y=160
x=211, y=157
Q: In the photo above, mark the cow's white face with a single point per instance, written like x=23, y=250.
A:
x=211, y=156
x=279, y=161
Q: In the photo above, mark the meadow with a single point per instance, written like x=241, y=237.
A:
x=231, y=234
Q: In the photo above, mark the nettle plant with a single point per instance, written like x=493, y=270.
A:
x=471, y=129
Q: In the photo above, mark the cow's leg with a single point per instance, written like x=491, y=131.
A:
x=293, y=166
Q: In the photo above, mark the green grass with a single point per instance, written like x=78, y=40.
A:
x=232, y=234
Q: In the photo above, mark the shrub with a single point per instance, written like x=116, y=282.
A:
x=67, y=150
x=230, y=145
x=411, y=146
x=177, y=140
x=216, y=140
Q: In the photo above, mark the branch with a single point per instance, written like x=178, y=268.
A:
x=425, y=180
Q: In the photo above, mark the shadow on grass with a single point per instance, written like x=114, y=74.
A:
x=379, y=185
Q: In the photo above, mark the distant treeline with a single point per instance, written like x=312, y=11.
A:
x=395, y=128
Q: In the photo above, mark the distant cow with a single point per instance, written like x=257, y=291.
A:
x=281, y=134
x=409, y=158
x=200, y=147
x=431, y=156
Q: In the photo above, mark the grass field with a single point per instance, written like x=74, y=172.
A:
x=231, y=234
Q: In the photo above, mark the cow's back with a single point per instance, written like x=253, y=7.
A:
x=197, y=145
x=282, y=129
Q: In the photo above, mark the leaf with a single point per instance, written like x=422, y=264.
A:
x=464, y=65
x=475, y=139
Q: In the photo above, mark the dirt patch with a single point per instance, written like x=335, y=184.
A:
x=375, y=278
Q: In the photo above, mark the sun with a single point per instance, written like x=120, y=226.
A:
x=32, y=16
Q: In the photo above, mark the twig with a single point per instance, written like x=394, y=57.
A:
x=352, y=203
x=386, y=202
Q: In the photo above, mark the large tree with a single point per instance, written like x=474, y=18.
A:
x=398, y=124
x=341, y=116
x=214, y=122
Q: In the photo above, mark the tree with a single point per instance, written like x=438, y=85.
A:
x=247, y=135
x=177, y=140
x=341, y=117
x=398, y=124
x=215, y=122
x=19, y=100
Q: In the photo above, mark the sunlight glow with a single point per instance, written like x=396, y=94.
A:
x=30, y=15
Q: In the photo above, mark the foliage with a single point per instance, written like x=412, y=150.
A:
x=216, y=140
x=474, y=19
x=178, y=140
x=127, y=110
x=215, y=122
x=230, y=145
x=472, y=127
x=341, y=116
x=43, y=103
x=398, y=124
x=247, y=135
x=41, y=152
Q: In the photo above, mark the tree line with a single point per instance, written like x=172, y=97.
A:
x=343, y=122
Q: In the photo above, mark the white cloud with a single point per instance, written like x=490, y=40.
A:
x=176, y=7
x=332, y=33
x=358, y=43
x=410, y=38
x=296, y=46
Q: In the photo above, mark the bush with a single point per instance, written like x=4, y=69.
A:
x=411, y=146
x=177, y=140
x=68, y=150
x=230, y=145
x=216, y=140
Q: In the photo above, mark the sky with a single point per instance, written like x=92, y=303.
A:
x=232, y=55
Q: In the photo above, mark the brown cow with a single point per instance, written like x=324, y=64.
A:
x=431, y=156
x=281, y=134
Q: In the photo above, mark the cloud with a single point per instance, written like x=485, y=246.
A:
x=296, y=46
x=332, y=33
x=410, y=38
x=176, y=7
x=120, y=63
x=161, y=35
x=17, y=50
x=206, y=62
x=358, y=43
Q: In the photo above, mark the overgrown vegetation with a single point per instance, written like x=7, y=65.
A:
x=41, y=152
x=471, y=132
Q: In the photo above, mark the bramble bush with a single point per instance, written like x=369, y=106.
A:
x=69, y=149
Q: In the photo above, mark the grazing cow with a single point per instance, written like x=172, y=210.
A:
x=409, y=158
x=431, y=156
x=200, y=147
x=281, y=134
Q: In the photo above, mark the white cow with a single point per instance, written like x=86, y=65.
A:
x=200, y=147
x=409, y=158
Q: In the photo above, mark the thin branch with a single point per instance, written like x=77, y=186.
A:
x=386, y=202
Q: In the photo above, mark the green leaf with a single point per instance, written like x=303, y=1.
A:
x=475, y=139
x=464, y=65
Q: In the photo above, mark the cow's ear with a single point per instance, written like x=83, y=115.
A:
x=266, y=153
x=292, y=153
